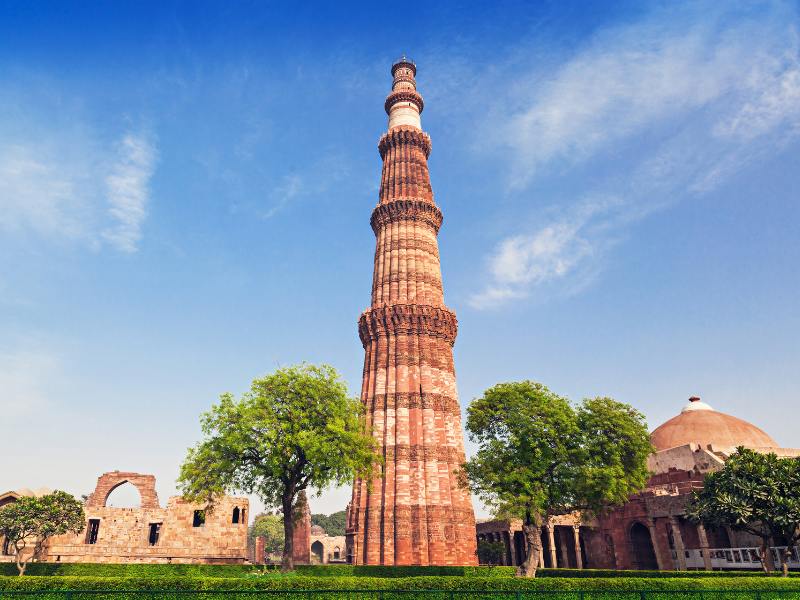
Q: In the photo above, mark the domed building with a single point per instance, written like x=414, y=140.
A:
x=650, y=531
x=698, y=423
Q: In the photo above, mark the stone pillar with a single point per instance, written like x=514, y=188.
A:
x=512, y=547
x=551, y=543
x=701, y=535
x=680, y=549
x=301, y=541
x=576, y=532
x=651, y=525
x=258, y=551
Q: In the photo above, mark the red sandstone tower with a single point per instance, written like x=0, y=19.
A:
x=415, y=514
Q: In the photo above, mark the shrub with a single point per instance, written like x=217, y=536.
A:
x=583, y=573
x=425, y=588
x=237, y=571
x=147, y=571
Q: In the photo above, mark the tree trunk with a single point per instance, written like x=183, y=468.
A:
x=785, y=555
x=287, y=560
x=533, y=538
x=767, y=564
x=21, y=564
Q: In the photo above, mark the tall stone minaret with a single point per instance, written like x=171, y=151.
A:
x=415, y=513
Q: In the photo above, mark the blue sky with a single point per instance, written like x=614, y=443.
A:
x=185, y=191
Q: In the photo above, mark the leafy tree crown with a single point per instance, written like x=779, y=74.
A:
x=539, y=455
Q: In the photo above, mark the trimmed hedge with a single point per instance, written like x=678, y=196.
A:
x=246, y=571
x=131, y=570
x=393, y=571
x=238, y=571
x=583, y=573
x=784, y=588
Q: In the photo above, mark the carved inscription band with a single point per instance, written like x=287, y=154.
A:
x=438, y=402
x=419, y=453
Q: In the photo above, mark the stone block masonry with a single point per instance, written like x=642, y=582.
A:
x=180, y=533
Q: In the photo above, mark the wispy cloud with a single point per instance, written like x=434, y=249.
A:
x=38, y=193
x=291, y=187
x=318, y=177
x=65, y=183
x=128, y=191
x=681, y=101
x=550, y=253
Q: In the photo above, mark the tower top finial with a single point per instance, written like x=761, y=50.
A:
x=404, y=103
x=404, y=61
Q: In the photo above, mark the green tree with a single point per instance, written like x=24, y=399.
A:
x=29, y=522
x=270, y=527
x=295, y=429
x=539, y=456
x=333, y=524
x=753, y=492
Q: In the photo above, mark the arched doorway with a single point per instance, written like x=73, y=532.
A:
x=644, y=556
x=317, y=551
x=124, y=495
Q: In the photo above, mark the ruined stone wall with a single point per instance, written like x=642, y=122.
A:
x=123, y=535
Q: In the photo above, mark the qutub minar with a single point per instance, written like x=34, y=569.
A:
x=415, y=513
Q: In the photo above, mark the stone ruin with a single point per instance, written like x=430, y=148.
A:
x=183, y=532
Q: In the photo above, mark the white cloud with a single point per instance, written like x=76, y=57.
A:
x=681, y=101
x=63, y=183
x=552, y=252
x=128, y=191
x=317, y=178
x=291, y=187
x=37, y=193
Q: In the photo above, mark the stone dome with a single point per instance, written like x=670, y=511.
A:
x=698, y=423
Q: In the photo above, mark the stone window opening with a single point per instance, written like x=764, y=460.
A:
x=92, y=530
x=336, y=553
x=199, y=518
x=153, y=535
x=124, y=495
x=317, y=552
x=235, y=518
x=7, y=547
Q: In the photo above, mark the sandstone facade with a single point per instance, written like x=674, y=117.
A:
x=415, y=513
x=180, y=533
x=327, y=548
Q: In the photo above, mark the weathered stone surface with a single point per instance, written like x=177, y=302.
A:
x=415, y=513
x=123, y=534
x=301, y=540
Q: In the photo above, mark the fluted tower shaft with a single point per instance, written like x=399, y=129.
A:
x=415, y=513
